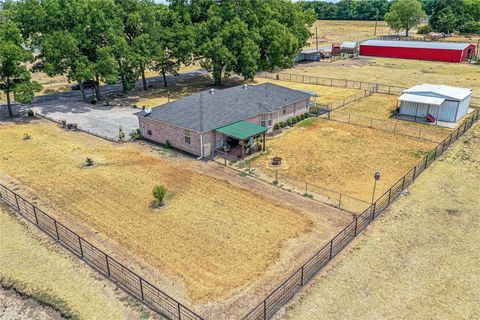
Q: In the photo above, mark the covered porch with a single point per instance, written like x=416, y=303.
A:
x=240, y=139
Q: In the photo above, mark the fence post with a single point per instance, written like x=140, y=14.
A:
x=108, y=265
x=224, y=159
x=35, y=214
x=265, y=309
x=179, y=311
x=373, y=210
x=80, y=245
x=301, y=279
x=331, y=248
x=141, y=288
x=389, y=195
x=16, y=200
x=349, y=116
x=56, y=229
x=426, y=161
x=414, y=172
x=249, y=169
x=420, y=134
x=340, y=202
x=395, y=128
x=306, y=188
x=403, y=183
x=356, y=222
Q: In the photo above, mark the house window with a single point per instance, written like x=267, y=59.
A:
x=265, y=120
x=186, y=136
x=263, y=123
x=284, y=111
x=270, y=122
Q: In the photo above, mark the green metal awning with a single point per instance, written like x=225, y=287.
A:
x=242, y=130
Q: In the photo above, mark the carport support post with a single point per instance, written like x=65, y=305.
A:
x=263, y=148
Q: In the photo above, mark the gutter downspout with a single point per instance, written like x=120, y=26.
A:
x=201, y=147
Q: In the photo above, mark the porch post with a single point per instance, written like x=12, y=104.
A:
x=263, y=148
x=416, y=112
x=243, y=149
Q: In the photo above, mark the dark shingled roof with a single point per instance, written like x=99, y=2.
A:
x=205, y=111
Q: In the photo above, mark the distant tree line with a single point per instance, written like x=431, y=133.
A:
x=445, y=15
x=349, y=9
x=114, y=41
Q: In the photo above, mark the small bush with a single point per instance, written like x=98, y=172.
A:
x=294, y=120
x=314, y=110
x=424, y=29
x=121, y=134
x=72, y=126
x=167, y=144
x=30, y=113
x=282, y=124
x=302, y=116
x=89, y=162
x=26, y=136
x=93, y=100
x=275, y=182
x=289, y=121
x=136, y=134
x=298, y=118
x=306, y=115
x=159, y=194
x=276, y=126
x=63, y=122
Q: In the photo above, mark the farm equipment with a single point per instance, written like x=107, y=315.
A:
x=336, y=49
x=430, y=118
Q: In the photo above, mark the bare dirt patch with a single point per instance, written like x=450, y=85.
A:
x=216, y=236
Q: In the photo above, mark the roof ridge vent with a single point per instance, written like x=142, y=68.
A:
x=212, y=91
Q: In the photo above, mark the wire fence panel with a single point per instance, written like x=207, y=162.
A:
x=125, y=277
x=69, y=239
x=283, y=293
x=343, y=238
x=316, y=263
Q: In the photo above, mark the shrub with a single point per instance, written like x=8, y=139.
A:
x=302, y=116
x=306, y=115
x=89, y=162
x=72, y=126
x=30, y=113
x=294, y=120
x=298, y=118
x=63, y=122
x=121, y=134
x=424, y=29
x=136, y=134
x=276, y=126
x=167, y=144
x=26, y=136
x=282, y=124
x=93, y=100
x=289, y=121
x=314, y=110
x=159, y=194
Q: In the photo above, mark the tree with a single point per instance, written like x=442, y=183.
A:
x=159, y=193
x=404, y=15
x=446, y=20
x=444, y=9
x=15, y=77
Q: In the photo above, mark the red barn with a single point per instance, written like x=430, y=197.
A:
x=420, y=50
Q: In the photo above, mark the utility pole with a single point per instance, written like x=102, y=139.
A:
x=376, y=22
x=316, y=36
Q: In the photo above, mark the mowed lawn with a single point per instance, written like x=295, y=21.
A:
x=32, y=265
x=343, y=157
x=213, y=235
x=420, y=260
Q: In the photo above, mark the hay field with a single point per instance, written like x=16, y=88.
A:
x=343, y=157
x=396, y=72
x=326, y=94
x=34, y=266
x=420, y=260
x=213, y=238
x=339, y=30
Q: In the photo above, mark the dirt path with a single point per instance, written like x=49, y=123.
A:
x=15, y=307
x=420, y=260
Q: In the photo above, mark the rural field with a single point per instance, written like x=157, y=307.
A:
x=31, y=264
x=395, y=72
x=340, y=30
x=420, y=258
x=342, y=157
x=219, y=234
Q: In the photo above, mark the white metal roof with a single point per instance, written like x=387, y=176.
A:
x=440, y=90
x=310, y=51
x=421, y=99
x=417, y=44
x=349, y=44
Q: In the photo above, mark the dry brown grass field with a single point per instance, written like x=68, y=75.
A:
x=34, y=266
x=217, y=235
x=420, y=260
x=326, y=94
x=343, y=157
x=396, y=72
x=339, y=30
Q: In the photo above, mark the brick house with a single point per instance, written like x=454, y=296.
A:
x=231, y=119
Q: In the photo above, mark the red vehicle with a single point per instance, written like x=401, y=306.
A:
x=336, y=49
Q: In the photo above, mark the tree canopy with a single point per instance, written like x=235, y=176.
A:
x=404, y=15
x=349, y=9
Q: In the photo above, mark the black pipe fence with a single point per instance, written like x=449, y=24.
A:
x=285, y=291
x=115, y=271
x=386, y=125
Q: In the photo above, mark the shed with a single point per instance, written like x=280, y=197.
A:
x=443, y=102
x=420, y=50
x=308, y=55
x=350, y=47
